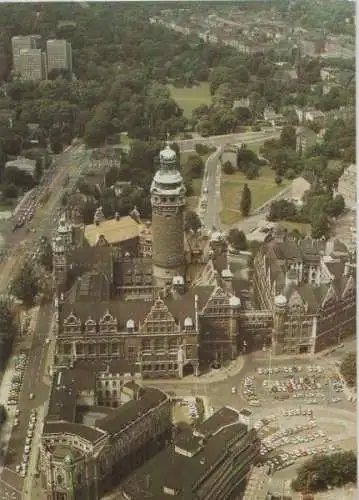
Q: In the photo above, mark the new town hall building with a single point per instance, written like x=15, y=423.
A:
x=165, y=303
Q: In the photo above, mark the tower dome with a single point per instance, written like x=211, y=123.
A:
x=280, y=301
x=168, y=156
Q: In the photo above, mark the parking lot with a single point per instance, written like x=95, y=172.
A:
x=306, y=384
x=291, y=434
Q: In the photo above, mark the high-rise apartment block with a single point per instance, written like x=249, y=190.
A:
x=28, y=60
x=31, y=64
x=59, y=55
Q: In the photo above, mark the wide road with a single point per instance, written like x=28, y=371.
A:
x=221, y=140
x=33, y=383
x=22, y=242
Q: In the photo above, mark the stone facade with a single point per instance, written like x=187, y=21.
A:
x=310, y=288
x=184, y=309
x=78, y=461
x=168, y=202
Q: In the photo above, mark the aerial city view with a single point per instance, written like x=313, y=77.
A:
x=178, y=250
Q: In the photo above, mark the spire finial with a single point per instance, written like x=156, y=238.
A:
x=168, y=138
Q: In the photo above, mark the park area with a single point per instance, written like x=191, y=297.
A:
x=189, y=98
x=263, y=188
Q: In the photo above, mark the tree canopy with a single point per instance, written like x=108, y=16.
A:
x=246, y=201
x=25, y=285
x=348, y=369
x=320, y=472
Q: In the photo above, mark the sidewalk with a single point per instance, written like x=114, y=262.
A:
x=234, y=368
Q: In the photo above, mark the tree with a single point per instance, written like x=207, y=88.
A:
x=45, y=257
x=228, y=168
x=113, y=175
x=278, y=179
x=324, y=471
x=25, y=285
x=321, y=226
x=7, y=331
x=246, y=201
x=337, y=206
x=282, y=210
x=252, y=171
x=237, y=239
x=288, y=137
x=192, y=221
x=10, y=191
x=348, y=369
x=194, y=166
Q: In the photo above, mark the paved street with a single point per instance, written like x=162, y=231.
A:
x=22, y=242
x=212, y=180
x=221, y=140
x=10, y=481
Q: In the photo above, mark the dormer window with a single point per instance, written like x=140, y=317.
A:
x=130, y=326
x=188, y=324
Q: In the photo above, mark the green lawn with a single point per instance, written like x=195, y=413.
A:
x=263, y=188
x=190, y=98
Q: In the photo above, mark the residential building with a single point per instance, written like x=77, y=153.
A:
x=347, y=187
x=274, y=118
x=21, y=61
x=309, y=114
x=30, y=64
x=59, y=55
x=206, y=464
x=88, y=447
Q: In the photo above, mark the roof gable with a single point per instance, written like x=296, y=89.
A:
x=331, y=296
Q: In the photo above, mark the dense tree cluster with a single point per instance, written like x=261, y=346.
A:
x=237, y=239
x=26, y=285
x=7, y=331
x=348, y=369
x=121, y=75
x=326, y=471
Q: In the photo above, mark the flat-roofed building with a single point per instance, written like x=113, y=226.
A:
x=30, y=64
x=59, y=55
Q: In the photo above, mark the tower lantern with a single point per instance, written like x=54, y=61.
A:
x=168, y=202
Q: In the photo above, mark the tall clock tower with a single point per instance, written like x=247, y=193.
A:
x=168, y=201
